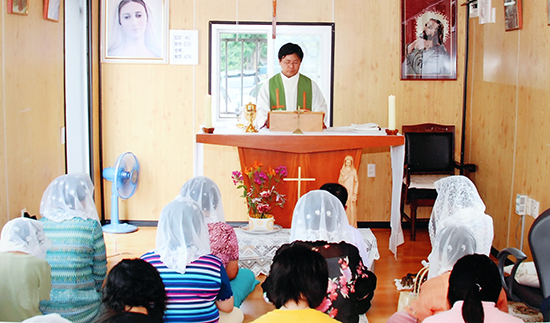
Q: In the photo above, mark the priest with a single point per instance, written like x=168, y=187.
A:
x=289, y=90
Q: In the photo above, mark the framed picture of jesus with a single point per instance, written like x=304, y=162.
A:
x=428, y=39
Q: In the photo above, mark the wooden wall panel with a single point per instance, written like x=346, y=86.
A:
x=33, y=107
x=3, y=168
x=509, y=104
x=367, y=71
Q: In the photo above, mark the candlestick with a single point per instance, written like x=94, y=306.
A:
x=277, y=95
x=208, y=111
x=304, y=103
x=391, y=112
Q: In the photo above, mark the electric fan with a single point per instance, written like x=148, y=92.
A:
x=124, y=177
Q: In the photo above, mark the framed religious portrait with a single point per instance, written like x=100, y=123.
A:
x=134, y=31
x=51, y=10
x=512, y=14
x=428, y=39
x=19, y=7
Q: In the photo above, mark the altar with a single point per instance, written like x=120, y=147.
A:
x=256, y=250
x=317, y=156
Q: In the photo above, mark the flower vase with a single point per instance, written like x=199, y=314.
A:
x=257, y=224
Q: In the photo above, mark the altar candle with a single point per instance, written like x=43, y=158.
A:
x=208, y=111
x=277, y=95
x=391, y=112
x=304, y=103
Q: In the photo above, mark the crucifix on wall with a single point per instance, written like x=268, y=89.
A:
x=299, y=179
x=274, y=19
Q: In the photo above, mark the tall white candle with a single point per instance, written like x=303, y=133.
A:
x=208, y=111
x=391, y=112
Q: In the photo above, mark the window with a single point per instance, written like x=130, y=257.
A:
x=243, y=56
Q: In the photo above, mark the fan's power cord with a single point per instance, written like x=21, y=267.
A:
x=116, y=250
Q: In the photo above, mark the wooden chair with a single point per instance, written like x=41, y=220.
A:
x=429, y=156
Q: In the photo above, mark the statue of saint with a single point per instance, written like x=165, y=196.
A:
x=348, y=178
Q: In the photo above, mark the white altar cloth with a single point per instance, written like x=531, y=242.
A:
x=256, y=251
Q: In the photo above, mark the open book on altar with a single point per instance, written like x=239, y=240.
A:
x=307, y=121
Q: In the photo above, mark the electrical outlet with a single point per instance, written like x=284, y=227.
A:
x=23, y=210
x=528, y=205
x=371, y=170
x=535, y=208
x=520, y=204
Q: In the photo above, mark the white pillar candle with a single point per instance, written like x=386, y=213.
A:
x=391, y=112
x=208, y=111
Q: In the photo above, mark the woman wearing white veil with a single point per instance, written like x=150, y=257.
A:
x=223, y=239
x=196, y=282
x=454, y=241
x=320, y=221
x=455, y=193
x=131, y=32
x=25, y=273
x=77, y=256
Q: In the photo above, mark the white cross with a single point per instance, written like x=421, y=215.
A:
x=299, y=179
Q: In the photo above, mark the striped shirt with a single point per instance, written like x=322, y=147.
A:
x=192, y=296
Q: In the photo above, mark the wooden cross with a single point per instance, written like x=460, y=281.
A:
x=299, y=179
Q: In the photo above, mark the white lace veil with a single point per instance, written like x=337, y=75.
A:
x=320, y=216
x=25, y=235
x=453, y=194
x=454, y=242
x=206, y=193
x=69, y=196
x=182, y=234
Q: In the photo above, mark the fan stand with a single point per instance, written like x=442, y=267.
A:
x=115, y=226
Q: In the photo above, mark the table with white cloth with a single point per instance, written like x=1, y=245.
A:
x=256, y=251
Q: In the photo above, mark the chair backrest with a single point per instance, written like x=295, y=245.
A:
x=539, y=242
x=429, y=148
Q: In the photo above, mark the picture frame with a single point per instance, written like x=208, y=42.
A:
x=428, y=39
x=51, y=10
x=18, y=7
x=123, y=42
x=513, y=19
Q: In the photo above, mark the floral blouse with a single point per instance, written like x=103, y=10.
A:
x=223, y=242
x=350, y=285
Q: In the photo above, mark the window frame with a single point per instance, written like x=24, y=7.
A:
x=324, y=30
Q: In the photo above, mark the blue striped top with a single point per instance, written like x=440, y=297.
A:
x=192, y=296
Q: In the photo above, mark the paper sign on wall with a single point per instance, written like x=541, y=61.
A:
x=184, y=49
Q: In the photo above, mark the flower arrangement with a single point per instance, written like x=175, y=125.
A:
x=262, y=195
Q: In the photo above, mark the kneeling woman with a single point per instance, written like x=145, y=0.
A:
x=196, y=282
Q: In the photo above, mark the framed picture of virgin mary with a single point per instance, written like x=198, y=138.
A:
x=135, y=31
x=428, y=39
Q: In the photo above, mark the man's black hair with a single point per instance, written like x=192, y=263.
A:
x=289, y=49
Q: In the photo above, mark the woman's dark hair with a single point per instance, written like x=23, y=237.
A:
x=289, y=49
x=133, y=282
x=474, y=279
x=337, y=190
x=124, y=2
x=297, y=272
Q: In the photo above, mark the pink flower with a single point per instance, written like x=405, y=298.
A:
x=333, y=312
x=265, y=194
x=282, y=171
x=325, y=305
x=263, y=208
